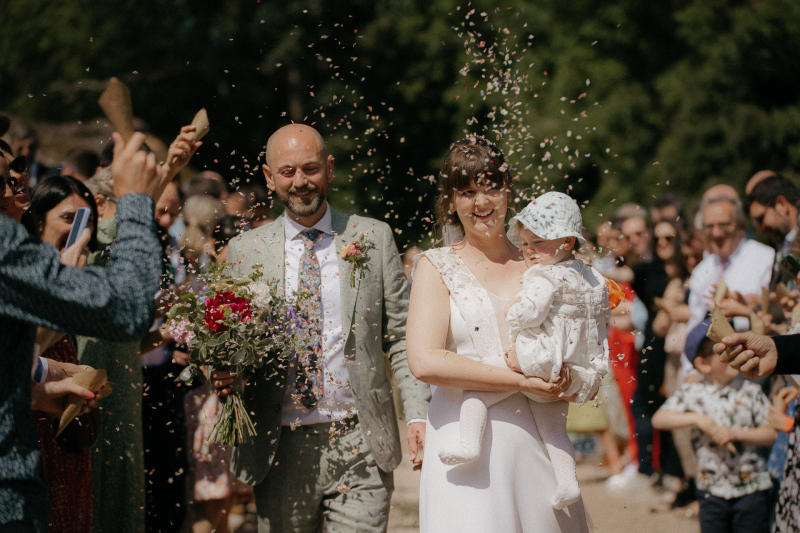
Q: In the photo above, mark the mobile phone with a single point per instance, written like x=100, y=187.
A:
x=79, y=224
x=792, y=264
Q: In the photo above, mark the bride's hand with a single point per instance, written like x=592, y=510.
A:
x=546, y=389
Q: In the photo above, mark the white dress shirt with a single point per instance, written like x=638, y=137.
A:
x=337, y=402
x=749, y=269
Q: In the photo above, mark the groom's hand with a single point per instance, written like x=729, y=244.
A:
x=415, y=433
x=222, y=380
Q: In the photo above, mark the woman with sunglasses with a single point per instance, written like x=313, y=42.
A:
x=17, y=188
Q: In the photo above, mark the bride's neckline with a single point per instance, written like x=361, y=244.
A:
x=469, y=271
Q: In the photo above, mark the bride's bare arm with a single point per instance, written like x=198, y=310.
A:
x=426, y=335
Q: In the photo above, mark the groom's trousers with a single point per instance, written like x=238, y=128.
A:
x=324, y=471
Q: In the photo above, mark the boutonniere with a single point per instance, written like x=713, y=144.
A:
x=355, y=253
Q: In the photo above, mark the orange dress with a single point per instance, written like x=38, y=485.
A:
x=624, y=362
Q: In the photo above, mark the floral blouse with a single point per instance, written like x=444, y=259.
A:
x=741, y=404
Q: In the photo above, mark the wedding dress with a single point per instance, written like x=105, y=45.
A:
x=509, y=488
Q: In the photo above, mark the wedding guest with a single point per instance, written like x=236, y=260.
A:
x=772, y=205
x=455, y=323
x=666, y=206
x=18, y=185
x=212, y=486
x=227, y=228
x=729, y=422
x=744, y=264
x=35, y=289
x=118, y=493
x=80, y=163
x=757, y=356
x=25, y=142
x=408, y=260
x=68, y=473
x=328, y=422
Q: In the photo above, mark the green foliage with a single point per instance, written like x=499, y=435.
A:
x=611, y=100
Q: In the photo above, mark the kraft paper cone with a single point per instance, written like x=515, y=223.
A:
x=756, y=324
x=781, y=290
x=116, y=104
x=722, y=291
x=765, y=299
x=90, y=379
x=720, y=327
x=711, y=430
x=200, y=122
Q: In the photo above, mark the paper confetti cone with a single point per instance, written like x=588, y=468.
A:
x=116, y=104
x=720, y=327
x=710, y=430
x=200, y=122
x=90, y=379
x=722, y=291
x=757, y=325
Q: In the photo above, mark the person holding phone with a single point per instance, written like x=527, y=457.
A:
x=57, y=204
x=40, y=287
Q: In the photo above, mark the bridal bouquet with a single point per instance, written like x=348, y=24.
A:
x=234, y=324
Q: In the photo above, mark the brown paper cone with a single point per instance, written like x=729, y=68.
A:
x=765, y=299
x=720, y=327
x=722, y=291
x=90, y=379
x=756, y=324
x=200, y=122
x=711, y=430
x=116, y=104
x=781, y=290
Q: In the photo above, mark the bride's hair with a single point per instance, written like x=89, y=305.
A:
x=472, y=159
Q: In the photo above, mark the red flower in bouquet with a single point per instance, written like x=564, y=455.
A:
x=215, y=310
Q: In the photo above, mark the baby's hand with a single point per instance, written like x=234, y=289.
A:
x=511, y=358
x=517, y=299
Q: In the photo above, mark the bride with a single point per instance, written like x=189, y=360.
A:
x=456, y=334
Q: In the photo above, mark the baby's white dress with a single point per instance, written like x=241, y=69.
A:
x=562, y=318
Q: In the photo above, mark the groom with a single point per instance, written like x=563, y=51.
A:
x=327, y=438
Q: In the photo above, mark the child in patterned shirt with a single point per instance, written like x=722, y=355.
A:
x=725, y=415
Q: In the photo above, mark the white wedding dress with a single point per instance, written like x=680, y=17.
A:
x=508, y=489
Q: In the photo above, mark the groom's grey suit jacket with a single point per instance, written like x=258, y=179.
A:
x=373, y=322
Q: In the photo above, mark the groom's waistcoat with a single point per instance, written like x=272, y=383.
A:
x=373, y=321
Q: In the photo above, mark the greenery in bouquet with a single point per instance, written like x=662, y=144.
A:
x=234, y=324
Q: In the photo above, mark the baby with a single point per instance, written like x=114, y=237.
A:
x=560, y=318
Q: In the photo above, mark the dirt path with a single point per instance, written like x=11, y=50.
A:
x=610, y=514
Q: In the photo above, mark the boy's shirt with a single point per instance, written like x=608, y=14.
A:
x=741, y=405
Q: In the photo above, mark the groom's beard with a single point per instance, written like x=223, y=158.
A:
x=303, y=207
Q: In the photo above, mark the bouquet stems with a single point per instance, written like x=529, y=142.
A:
x=232, y=425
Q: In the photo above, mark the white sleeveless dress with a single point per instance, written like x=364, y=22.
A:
x=508, y=489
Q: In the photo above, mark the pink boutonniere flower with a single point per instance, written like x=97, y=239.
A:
x=355, y=253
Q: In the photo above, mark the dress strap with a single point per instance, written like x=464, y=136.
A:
x=471, y=299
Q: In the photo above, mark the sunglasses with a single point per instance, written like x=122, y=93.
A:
x=19, y=164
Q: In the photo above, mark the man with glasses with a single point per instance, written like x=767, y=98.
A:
x=772, y=204
x=744, y=264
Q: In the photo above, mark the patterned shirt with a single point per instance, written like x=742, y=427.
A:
x=741, y=405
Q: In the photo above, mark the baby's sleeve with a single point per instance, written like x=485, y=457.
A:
x=536, y=298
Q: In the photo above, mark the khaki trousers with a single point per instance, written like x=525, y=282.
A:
x=324, y=473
